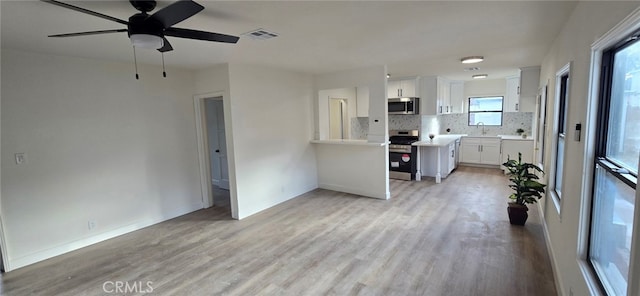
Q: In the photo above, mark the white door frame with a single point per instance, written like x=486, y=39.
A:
x=203, y=155
x=3, y=247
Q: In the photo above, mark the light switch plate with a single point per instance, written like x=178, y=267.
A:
x=21, y=158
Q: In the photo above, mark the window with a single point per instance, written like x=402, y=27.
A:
x=616, y=166
x=561, y=127
x=485, y=110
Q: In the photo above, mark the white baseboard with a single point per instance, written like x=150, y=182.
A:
x=363, y=192
x=552, y=256
x=85, y=242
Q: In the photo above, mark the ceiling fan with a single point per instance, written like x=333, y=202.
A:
x=149, y=31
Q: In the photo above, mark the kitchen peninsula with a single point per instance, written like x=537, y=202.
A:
x=442, y=151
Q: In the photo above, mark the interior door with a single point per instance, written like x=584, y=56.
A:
x=217, y=143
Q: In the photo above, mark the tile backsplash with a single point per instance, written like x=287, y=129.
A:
x=438, y=124
x=359, y=128
x=511, y=121
x=360, y=125
x=404, y=122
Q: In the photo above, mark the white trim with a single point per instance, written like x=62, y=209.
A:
x=81, y=243
x=3, y=247
x=554, y=263
x=633, y=284
x=203, y=156
x=626, y=27
x=557, y=201
x=3, y=239
x=356, y=191
x=590, y=129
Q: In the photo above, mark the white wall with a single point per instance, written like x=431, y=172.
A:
x=352, y=169
x=589, y=21
x=375, y=79
x=358, y=169
x=214, y=81
x=482, y=88
x=100, y=146
x=271, y=113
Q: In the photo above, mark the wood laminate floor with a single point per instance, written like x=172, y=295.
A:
x=452, y=238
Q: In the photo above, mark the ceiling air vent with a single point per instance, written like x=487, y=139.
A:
x=260, y=34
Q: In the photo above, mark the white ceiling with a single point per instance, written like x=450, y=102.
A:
x=411, y=38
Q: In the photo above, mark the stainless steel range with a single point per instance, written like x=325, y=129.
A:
x=402, y=156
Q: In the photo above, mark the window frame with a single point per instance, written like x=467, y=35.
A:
x=541, y=131
x=605, y=84
x=557, y=132
x=485, y=111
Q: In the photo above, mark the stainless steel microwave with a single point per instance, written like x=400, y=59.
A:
x=404, y=106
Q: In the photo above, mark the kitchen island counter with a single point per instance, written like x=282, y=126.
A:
x=440, y=140
x=436, y=147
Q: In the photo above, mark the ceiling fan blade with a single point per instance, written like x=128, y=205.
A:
x=200, y=35
x=176, y=12
x=166, y=47
x=80, y=9
x=89, y=33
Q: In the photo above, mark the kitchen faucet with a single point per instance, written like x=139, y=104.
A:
x=478, y=125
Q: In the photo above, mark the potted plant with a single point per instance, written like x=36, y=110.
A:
x=526, y=188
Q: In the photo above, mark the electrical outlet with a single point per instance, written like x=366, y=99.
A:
x=21, y=158
x=91, y=224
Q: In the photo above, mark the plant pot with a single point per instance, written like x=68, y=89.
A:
x=517, y=213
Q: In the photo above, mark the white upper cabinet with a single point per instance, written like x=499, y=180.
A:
x=435, y=98
x=362, y=101
x=402, y=88
x=512, y=96
x=529, y=82
x=444, y=96
x=456, y=97
x=522, y=90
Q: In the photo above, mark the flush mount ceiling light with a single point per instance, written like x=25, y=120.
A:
x=472, y=59
x=480, y=76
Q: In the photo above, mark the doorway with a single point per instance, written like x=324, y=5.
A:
x=217, y=152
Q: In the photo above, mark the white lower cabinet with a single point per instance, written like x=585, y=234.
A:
x=511, y=148
x=451, y=157
x=480, y=150
x=429, y=160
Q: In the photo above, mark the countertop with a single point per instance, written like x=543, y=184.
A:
x=444, y=140
x=515, y=137
x=439, y=140
x=347, y=142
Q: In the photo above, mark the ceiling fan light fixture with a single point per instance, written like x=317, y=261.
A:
x=480, y=76
x=472, y=59
x=146, y=41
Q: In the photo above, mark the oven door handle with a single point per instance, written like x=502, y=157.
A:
x=399, y=150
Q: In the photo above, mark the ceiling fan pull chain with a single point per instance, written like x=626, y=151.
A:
x=164, y=74
x=135, y=62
